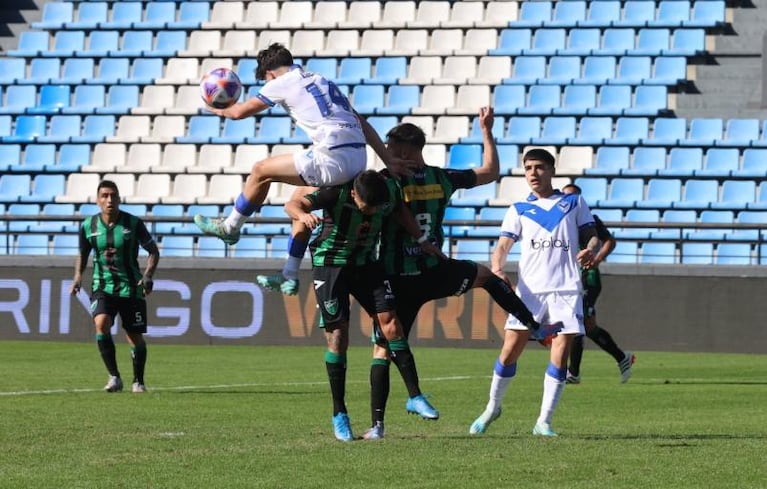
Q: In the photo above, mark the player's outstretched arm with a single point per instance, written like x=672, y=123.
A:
x=490, y=169
x=397, y=166
x=241, y=110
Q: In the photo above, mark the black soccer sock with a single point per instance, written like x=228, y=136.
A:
x=336, y=367
x=138, y=355
x=576, y=353
x=405, y=361
x=602, y=338
x=508, y=300
x=107, y=349
x=379, y=389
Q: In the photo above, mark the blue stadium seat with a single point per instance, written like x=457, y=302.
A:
x=609, y=160
x=464, y=156
x=602, y=14
x=246, y=70
x=475, y=133
x=191, y=15
x=758, y=218
x=668, y=70
x=5, y=123
x=556, y=131
x=534, y=14
x=12, y=187
x=32, y=244
x=328, y=67
x=567, y=14
x=592, y=131
x=624, y=193
x=528, y=70
x=661, y=193
x=237, y=131
x=10, y=156
x=120, y=99
x=270, y=212
x=144, y=71
x=62, y=129
x=111, y=71
x=647, y=162
x=157, y=15
x=24, y=210
x=733, y=254
x=562, y=70
x=299, y=137
x=42, y=71
x=522, y=130
x=168, y=226
x=478, y=196
x=211, y=246
x=649, y=101
x=168, y=44
x=353, y=71
x=89, y=15
x=453, y=213
x=671, y=13
x=487, y=214
x=512, y=42
x=55, y=16
x=53, y=98
x=271, y=130
x=134, y=44
x=582, y=42
x=577, y=100
x=367, y=98
x=651, y=42
x=546, y=42
x=667, y=132
x=724, y=217
x=542, y=100
x=401, y=99
x=60, y=210
x=630, y=131
x=177, y=245
x=66, y=44
x=754, y=164
x=761, y=203
x=683, y=162
x=278, y=246
x=687, y=42
x=31, y=44
x=736, y=194
x=77, y=70
x=612, y=100
x=638, y=216
x=36, y=158
x=72, y=157
x=100, y=43
x=616, y=42
x=698, y=194
x=28, y=129
x=473, y=249
x=12, y=70
x=636, y=13
x=96, y=128
x=382, y=124
x=707, y=14
x=739, y=133
x=719, y=162
x=704, y=132
x=597, y=70
x=508, y=155
x=624, y=252
x=65, y=245
x=697, y=253
x=593, y=189
x=388, y=70
x=18, y=98
x=45, y=188
x=202, y=128
x=124, y=14
x=250, y=247
x=658, y=253
x=633, y=70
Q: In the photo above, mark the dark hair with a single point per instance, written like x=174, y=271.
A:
x=576, y=189
x=271, y=58
x=107, y=184
x=370, y=186
x=539, y=154
x=407, y=133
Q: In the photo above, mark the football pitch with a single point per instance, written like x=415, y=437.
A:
x=259, y=417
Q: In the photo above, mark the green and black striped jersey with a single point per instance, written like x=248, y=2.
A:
x=116, y=270
x=347, y=236
x=590, y=277
x=426, y=193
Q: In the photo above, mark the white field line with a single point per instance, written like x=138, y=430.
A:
x=220, y=386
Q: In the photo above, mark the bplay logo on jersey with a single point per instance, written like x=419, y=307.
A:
x=543, y=244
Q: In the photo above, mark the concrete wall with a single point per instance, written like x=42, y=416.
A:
x=214, y=301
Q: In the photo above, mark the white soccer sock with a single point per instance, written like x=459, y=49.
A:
x=234, y=221
x=498, y=388
x=552, y=391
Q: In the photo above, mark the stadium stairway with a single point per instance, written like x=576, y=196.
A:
x=729, y=85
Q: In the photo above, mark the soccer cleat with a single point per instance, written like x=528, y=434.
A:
x=215, y=227
x=287, y=286
x=342, y=427
x=480, y=425
x=420, y=406
x=375, y=433
x=572, y=379
x=114, y=384
x=543, y=429
x=545, y=330
x=625, y=366
x=138, y=388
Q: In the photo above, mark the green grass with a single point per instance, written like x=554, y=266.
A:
x=247, y=417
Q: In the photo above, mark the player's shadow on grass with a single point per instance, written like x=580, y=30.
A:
x=247, y=392
x=672, y=439
x=705, y=382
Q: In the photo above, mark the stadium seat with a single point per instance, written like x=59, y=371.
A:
x=101, y=43
x=649, y=101
x=76, y=71
x=157, y=15
x=42, y=71
x=211, y=246
x=258, y=16
x=609, y=161
x=633, y=70
x=658, y=253
x=542, y=100
x=55, y=16
x=651, y=42
x=400, y=100
x=698, y=194
x=546, y=42
x=53, y=98
x=704, y=132
x=373, y=42
x=661, y=193
x=616, y=42
x=89, y=16
x=562, y=70
x=612, y=100
x=624, y=193
x=477, y=250
x=593, y=189
x=528, y=70
x=59, y=210
x=32, y=244
x=556, y=131
x=454, y=213
x=12, y=70
x=31, y=44
x=581, y=42
x=512, y=42
x=62, y=129
x=522, y=130
x=24, y=210
x=736, y=194
x=719, y=162
x=66, y=44
x=667, y=132
x=733, y=254
x=18, y=98
x=177, y=246
x=647, y=161
x=697, y=253
x=624, y=252
x=739, y=133
x=687, y=42
x=683, y=162
x=754, y=164
x=510, y=190
x=577, y=100
x=123, y=15
x=28, y=128
x=388, y=70
x=671, y=13
x=707, y=14
x=630, y=131
x=668, y=70
x=37, y=157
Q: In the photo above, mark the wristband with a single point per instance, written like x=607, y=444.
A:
x=424, y=238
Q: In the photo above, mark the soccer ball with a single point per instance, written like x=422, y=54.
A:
x=220, y=88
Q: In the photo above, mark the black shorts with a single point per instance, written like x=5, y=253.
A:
x=590, y=295
x=449, y=278
x=367, y=283
x=132, y=311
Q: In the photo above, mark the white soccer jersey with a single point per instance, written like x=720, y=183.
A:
x=547, y=230
x=317, y=106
